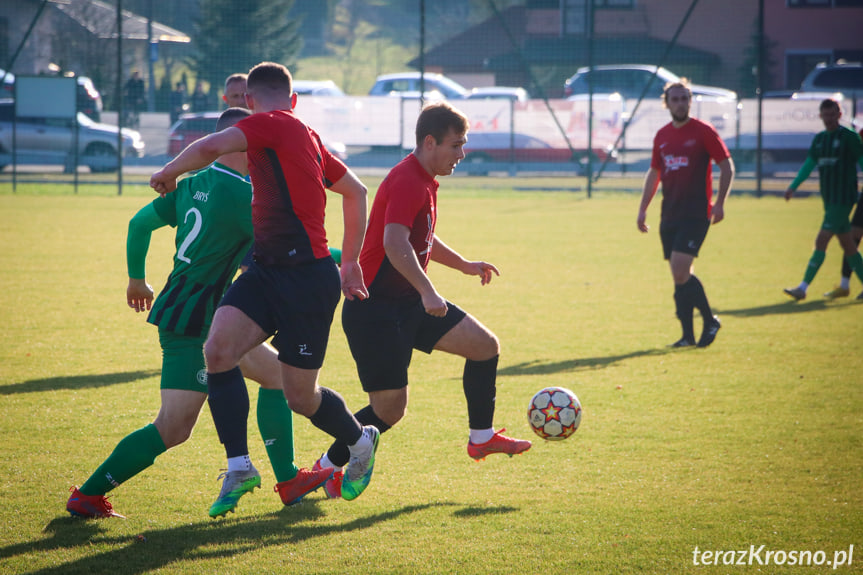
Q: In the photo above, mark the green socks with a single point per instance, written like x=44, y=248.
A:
x=814, y=263
x=276, y=424
x=135, y=453
x=856, y=263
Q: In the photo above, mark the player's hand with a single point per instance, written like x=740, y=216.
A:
x=482, y=269
x=434, y=304
x=642, y=222
x=353, y=284
x=717, y=213
x=139, y=295
x=163, y=183
x=788, y=193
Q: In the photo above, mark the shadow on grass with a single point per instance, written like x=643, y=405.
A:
x=576, y=364
x=789, y=307
x=206, y=540
x=76, y=382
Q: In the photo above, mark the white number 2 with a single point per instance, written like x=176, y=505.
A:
x=190, y=237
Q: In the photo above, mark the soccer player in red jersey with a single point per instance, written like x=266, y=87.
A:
x=682, y=154
x=404, y=311
x=291, y=290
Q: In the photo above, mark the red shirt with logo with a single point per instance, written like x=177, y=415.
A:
x=407, y=196
x=290, y=170
x=683, y=157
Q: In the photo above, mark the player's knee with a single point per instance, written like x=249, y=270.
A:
x=217, y=357
x=301, y=403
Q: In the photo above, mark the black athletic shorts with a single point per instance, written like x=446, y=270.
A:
x=857, y=218
x=382, y=334
x=684, y=236
x=296, y=303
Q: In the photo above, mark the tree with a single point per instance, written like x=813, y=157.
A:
x=233, y=36
x=748, y=69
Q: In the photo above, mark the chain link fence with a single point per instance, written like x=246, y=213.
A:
x=567, y=87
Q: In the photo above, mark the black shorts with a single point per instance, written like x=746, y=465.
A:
x=296, y=303
x=857, y=218
x=382, y=334
x=685, y=236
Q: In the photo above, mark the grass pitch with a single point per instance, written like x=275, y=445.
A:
x=753, y=441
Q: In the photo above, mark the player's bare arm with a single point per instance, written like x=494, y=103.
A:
x=401, y=255
x=726, y=177
x=139, y=295
x=198, y=155
x=354, y=209
x=651, y=183
x=445, y=255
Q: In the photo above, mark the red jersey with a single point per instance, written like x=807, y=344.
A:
x=407, y=196
x=682, y=156
x=290, y=170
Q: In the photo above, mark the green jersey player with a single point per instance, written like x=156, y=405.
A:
x=836, y=151
x=211, y=212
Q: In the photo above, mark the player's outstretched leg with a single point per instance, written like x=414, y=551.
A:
x=235, y=485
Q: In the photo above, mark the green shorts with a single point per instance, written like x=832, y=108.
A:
x=183, y=362
x=836, y=218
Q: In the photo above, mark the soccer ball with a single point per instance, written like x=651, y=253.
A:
x=554, y=413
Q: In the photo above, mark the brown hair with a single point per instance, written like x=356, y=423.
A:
x=230, y=117
x=437, y=119
x=270, y=77
x=682, y=83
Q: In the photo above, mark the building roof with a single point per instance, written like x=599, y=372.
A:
x=100, y=19
x=502, y=44
x=469, y=50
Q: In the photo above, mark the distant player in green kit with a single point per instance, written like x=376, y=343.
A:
x=212, y=213
x=837, y=151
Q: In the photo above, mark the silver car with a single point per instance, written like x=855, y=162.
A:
x=40, y=140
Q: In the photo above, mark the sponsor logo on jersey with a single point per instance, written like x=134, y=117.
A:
x=673, y=163
x=304, y=349
x=201, y=376
x=827, y=162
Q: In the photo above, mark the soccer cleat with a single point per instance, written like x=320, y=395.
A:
x=837, y=292
x=859, y=296
x=333, y=485
x=497, y=444
x=306, y=481
x=97, y=506
x=711, y=328
x=683, y=342
x=358, y=472
x=797, y=293
x=235, y=485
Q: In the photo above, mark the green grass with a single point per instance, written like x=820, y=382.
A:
x=754, y=441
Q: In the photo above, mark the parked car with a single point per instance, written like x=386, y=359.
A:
x=498, y=93
x=50, y=140
x=191, y=127
x=317, y=88
x=629, y=80
x=409, y=82
x=483, y=148
x=842, y=77
x=88, y=99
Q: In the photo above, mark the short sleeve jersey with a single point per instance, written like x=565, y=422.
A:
x=683, y=157
x=407, y=196
x=836, y=154
x=214, y=231
x=290, y=169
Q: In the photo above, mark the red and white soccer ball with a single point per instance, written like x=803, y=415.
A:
x=554, y=413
